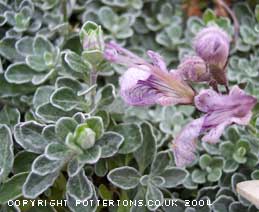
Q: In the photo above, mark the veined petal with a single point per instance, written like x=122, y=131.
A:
x=184, y=145
x=214, y=134
x=206, y=100
x=134, y=93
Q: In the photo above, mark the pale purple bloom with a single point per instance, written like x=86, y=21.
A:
x=145, y=83
x=221, y=111
x=194, y=68
x=184, y=144
x=212, y=45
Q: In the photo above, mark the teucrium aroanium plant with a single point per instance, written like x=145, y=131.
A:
x=105, y=99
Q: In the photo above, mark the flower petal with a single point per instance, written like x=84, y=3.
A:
x=206, y=100
x=214, y=134
x=184, y=145
x=135, y=93
x=157, y=60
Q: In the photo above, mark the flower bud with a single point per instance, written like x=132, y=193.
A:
x=212, y=45
x=194, y=69
x=85, y=138
x=91, y=36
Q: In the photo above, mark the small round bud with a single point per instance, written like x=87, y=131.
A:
x=212, y=45
x=86, y=138
x=194, y=69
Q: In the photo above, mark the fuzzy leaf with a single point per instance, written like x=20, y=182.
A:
x=124, y=177
x=12, y=188
x=29, y=136
x=90, y=156
x=96, y=124
x=43, y=166
x=132, y=137
x=64, y=126
x=75, y=62
x=19, y=73
x=153, y=194
x=146, y=153
x=9, y=116
x=64, y=98
x=110, y=143
x=36, y=184
x=57, y=151
x=79, y=187
x=173, y=177
x=6, y=152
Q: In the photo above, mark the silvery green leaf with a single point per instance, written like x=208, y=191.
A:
x=79, y=187
x=230, y=166
x=76, y=63
x=40, y=78
x=160, y=163
x=235, y=179
x=79, y=117
x=19, y=73
x=42, y=95
x=146, y=153
x=157, y=180
x=36, y=63
x=42, y=45
x=57, y=151
x=12, y=188
x=68, y=82
x=23, y=161
x=6, y=152
x=13, y=90
x=132, y=137
x=106, y=95
x=96, y=124
x=173, y=177
x=64, y=98
x=90, y=156
x=36, y=184
x=71, y=201
x=29, y=136
x=107, y=17
x=49, y=134
x=24, y=46
x=221, y=204
x=8, y=51
x=73, y=167
x=64, y=126
x=153, y=194
x=50, y=114
x=140, y=197
x=101, y=168
x=110, y=143
x=124, y=177
x=43, y=165
x=9, y=116
x=198, y=176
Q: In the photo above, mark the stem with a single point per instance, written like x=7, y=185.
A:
x=233, y=16
x=64, y=7
x=93, y=79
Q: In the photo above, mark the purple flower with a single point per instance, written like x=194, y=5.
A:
x=221, y=111
x=193, y=68
x=148, y=83
x=212, y=45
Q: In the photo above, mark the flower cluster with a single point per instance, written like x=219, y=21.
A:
x=145, y=84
